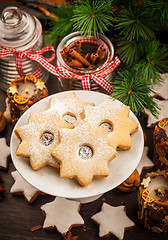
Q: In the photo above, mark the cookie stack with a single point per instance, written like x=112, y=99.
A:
x=76, y=137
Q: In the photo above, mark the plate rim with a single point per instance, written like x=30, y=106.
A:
x=82, y=195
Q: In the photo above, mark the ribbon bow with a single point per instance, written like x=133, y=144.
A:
x=59, y=71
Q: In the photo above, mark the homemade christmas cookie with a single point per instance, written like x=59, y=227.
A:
x=163, y=113
x=115, y=119
x=112, y=220
x=4, y=153
x=62, y=214
x=23, y=187
x=145, y=162
x=70, y=109
x=83, y=153
x=38, y=138
x=161, y=88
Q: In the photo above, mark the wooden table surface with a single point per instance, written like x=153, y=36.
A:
x=17, y=216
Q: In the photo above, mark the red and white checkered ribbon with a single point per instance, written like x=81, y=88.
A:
x=9, y=52
x=60, y=71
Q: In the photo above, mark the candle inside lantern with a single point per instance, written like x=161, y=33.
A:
x=158, y=189
x=26, y=89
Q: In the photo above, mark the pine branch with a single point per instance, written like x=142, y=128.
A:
x=134, y=23
x=61, y=26
x=128, y=50
x=154, y=61
x=92, y=15
x=132, y=90
x=158, y=10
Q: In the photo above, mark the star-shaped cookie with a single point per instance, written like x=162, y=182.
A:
x=163, y=113
x=38, y=138
x=145, y=162
x=145, y=182
x=4, y=153
x=161, y=88
x=23, y=187
x=62, y=214
x=83, y=153
x=112, y=220
x=70, y=109
x=115, y=119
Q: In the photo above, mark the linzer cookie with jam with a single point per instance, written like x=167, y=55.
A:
x=70, y=109
x=153, y=201
x=83, y=153
x=39, y=137
x=115, y=119
x=22, y=94
x=160, y=148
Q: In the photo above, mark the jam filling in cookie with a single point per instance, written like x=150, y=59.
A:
x=69, y=118
x=47, y=138
x=85, y=152
x=107, y=126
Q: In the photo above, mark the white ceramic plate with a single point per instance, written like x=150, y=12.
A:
x=48, y=180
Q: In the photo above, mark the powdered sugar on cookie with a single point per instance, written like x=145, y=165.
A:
x=70, y=109
x=38, y=138
x=83, y=153
x=62, y=214
x=115, y=119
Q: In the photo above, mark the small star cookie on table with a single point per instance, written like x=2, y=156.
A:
x=83, y=153
x=38, y=138
x=115, y=119
x=62, y=214
x=145, y=162
x=21, y=186
x=70, y=109
x=163, y=113
x=112, y=220
x=4, y=153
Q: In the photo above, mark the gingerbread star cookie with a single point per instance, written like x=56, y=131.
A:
x=23, y=187
x=83, y=153
x=115, y=119
x=62, y=214
x=70, y=109
x=38, y=138
x=163, y=113
x=112, y=220
x=145, y=162
x=4, y=153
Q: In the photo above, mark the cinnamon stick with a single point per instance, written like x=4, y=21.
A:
x=64, y=54
x=78, y=46
x=93, y=58
x=76, y=55
x=87, y=56
x=66, y=49
x=75, y=63
x=101, y=51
